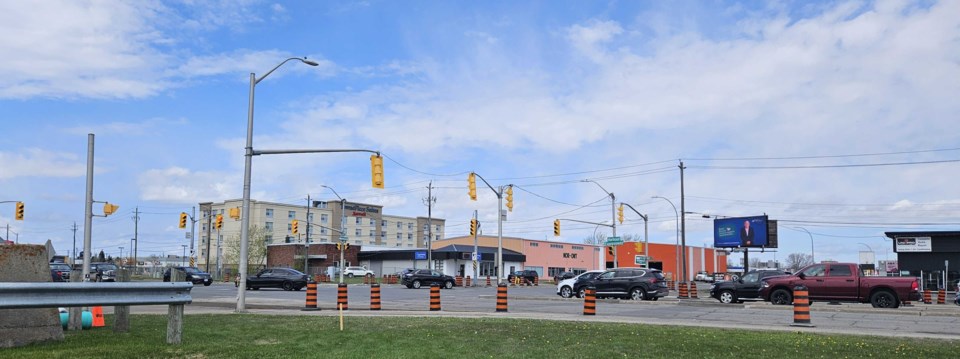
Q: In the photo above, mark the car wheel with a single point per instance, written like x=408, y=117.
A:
x=297, y=289
x=884, y=299
x=448, y=285
x=416, y=284
x=638, y=294
x=655, y=299
x=207, y=284
x=566, y=292
x=287, y=286
x=409, y=286
x=727, y=297
x=349, y=275
x=781, y=297
x=582, y=293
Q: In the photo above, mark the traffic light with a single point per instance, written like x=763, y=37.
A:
x=620, y=214
x=108, y=209
x=343, y=246
x=510, y=198
x=346, y=246
x=376, y=170
x=556, y=228
x=219, y=222
x=235, y=213
x=19, y=212
x=183, y=219
x=472, y=184
x=610, y=250
x=473, y=227
x=295, y=226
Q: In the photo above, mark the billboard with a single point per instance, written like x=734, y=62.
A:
x=913, y=244
x=751, y=232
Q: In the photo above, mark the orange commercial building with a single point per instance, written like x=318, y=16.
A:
x=549, y=257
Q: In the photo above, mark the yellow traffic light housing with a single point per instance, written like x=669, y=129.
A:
x=19, y=212
x=235, y=213
x=473, y=227
x=472, y=184
x=108, y=209
x=556, y=228
x=376, y=170
x=295, y=226
x=610, y=250
x=510, y=198
x=183, y=219
x=620, y=214
x=218, y=224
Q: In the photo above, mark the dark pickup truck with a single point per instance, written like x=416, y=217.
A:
x=841, y=282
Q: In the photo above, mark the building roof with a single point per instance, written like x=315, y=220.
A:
x=452, y=251
x=923, y=234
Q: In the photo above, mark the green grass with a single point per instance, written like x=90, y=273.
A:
x=263, y=336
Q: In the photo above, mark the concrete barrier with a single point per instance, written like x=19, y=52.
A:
x=19, y=327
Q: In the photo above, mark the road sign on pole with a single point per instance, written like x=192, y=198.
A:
x=613, y=241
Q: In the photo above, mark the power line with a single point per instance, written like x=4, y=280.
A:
x=825, y=166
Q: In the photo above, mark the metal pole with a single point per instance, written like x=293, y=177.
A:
x=209, y=213
x=683, y=226
x=245, y=214
x=500, y=236
x=136, y=242
x=306, y=247
x=646, y=240
x=343, y=233
x=88, y=209
x=476, y=249
x=193, y=232
x=613, y=220
x=430, y=226
x=183, y=257
x=811, y=244
x=73, y=260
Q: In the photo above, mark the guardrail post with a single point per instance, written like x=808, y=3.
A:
x=75, y=321
x=175, y=324
x=121, y=313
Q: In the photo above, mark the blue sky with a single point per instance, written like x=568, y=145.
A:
x=536, y=94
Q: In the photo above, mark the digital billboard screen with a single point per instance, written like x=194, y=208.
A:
x=740, y=232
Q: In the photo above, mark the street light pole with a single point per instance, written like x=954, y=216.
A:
x=613, y=215
x=343, y=226
x=811, y=244
x=677, y=247
x=247, y=164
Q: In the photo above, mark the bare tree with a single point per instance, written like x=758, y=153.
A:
x=596, y=239
x=256, y=248
x=795, y=261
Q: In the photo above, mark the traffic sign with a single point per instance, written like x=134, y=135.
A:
x=343, y=238
x=640, y=260
x=613, y=241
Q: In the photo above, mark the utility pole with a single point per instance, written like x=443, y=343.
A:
x=208, y=212
x=88, y=211
x=683, y=226
x=306, y=247
x=193, y=233
x=136, y=242
x=476, y=248
x=430, y=200
x=74, y=259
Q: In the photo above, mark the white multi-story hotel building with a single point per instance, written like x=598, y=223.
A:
x=364, y=224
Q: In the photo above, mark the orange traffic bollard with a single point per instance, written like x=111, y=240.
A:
x=941, y=297
x=468, y=281
x=693, y=290
x=434, y=298
x=590, y=302
x=801, y=307
x=926, y=297
x=97, y=316
x=683, y=291
x=342, y=295
x=375, y=296
x=459, y=281
x=488, y=281
x=536, y=280
x=501, y=296
x=311, y=297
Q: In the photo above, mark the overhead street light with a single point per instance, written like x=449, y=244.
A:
x=247, y=163
x=677, y=247
x=613, y=215
x=343, y=225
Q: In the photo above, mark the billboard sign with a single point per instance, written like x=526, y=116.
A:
x=750, y=232
x=913, y=244
x=418, y=255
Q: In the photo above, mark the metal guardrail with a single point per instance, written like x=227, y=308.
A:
x=50, y=295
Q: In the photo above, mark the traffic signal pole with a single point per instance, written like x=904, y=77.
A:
x=646, y=242
x=499, y=194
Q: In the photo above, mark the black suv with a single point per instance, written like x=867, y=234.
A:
x=584, y=281
x=746, y=287
x=421, y=277
x=60, y=272
x=103, y=272
x=633, y=283
x=526, y=276
x=563, y=275
x=285, y=278
x=194, y=275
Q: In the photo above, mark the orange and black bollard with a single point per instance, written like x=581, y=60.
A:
x=468, y=281
x=801, y=307
x=683, y=291
x=342, y=295
x=459, y=281
x=927, y=297
x=536, y=281
x=501, y=296
x=941, y=296
x=488, y=281
x=590, y=301
x=434, y=298
x=374, y=296
x=693, y=290
x=311, y=297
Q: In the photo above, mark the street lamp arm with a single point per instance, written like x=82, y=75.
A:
x=304, y=60
x=598, y=184
x=635, y=211
x=334, y=192
x=587, y=222
x=499, y=195
x=284, y=152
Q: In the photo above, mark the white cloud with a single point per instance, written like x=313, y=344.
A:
x=180, y=185
x=40, y=163
x=246, y=61
x=590, y=38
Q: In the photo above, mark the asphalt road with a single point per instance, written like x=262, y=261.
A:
x=937, y=321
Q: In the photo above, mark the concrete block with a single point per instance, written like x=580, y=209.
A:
x=19, y=327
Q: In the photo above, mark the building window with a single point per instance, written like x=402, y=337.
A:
x=358, y=242
x=577, y=248
x=358, y=232
x=268, y=238
x=372, y=233
x=556, y=246
x=268, y=226
x=323, y=218
x=399, y=236
x=383, y=223
x=399, y=225
x=373, y=222
x=383, y=234
x=409, y=244
x=291, y=214
x=320, y=204
x=399, y=244
x=409, y=236
x=269, y=212
x=554, y=271
x=425, y=227
x=487, y=268
x=438, y=228
x=310, y=217
x=323, y=231
x=410, y=226
x=356, y=220
x=533, y=244
x=289, y=227
x=204, y=227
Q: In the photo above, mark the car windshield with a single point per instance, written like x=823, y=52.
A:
x=107, y=267
x=294, y=271
x=191, y=270
x=658, y=274
x=750, y=277
x=60, y=266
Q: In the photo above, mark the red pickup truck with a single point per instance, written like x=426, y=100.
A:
x=841, y=282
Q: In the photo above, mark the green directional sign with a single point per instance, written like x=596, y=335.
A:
x=640, y=260
x=613, y=241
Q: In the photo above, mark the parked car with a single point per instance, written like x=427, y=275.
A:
x=633, y=283
x=565, y=288
x=194, y=275
x=284, y=278
x=403, y=272
x=421, y=277
x=841, y=282
x=703, y=276
x=583, y=281
x=103, y=272
x=60, y=272
x=747, y=287
x=526, y=275
x=563, y=276
x=357, y=271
